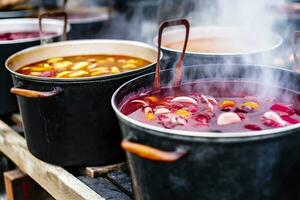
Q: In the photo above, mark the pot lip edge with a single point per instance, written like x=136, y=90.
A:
x=209, y=135
x=278, y=38
x=85, y=79
x=32, y=21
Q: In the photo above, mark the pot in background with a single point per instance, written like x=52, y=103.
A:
x=209, y=166
x=19, y=11
x=253, y=54
x=8, y=102
x=74, y=125
x=87, y=23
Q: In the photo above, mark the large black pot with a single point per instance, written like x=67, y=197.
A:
x=260, y=165
x=266, y=44
x=70, y=121
x=8, y=102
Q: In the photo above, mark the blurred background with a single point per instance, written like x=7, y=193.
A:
x=139, y=19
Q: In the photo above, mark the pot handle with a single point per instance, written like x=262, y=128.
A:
x=35, y=94
x=295, y=36
x=178, y=69
x=55, y=14
x=151, y=153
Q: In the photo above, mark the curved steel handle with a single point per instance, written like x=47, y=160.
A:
x=55, y=14
x=35, y=94
x=295, y=36
x=151, y=153
x=178, y=70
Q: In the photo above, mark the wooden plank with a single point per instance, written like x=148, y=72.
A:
x=19, y=186
x=13, y=179
x=55, y=180
x=100, y=171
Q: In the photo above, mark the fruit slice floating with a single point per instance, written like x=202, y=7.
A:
x=275, y=117
x=282, y=108
x=228, y=118
x=184, y=99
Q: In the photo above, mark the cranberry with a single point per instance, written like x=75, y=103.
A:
x=270, y=123
x=192, y=108
x=253, y=127
x=283, y=108
x=241, y=115
x=203, y=118
x=290, y=119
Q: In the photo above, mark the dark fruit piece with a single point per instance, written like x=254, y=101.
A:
x=253, y=127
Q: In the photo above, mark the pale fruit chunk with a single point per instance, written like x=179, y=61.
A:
x=228, y=118
x=35, y=73
x=92, y=66
x=184, y=99
x=79, y=73
x=111, y=59
x=54, y=60
x=162, y=111
x=275, y=117
x=63, y=74
x=40, y=69
x=80, y=65
x=60, y=66
x=129, y=66
x=115, y=70
x=100, y=69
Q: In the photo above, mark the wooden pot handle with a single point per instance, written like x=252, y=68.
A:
x=151, y=153
x=35, y=94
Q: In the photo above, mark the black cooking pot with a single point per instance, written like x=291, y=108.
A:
x=89, y=23
x=70, y=122
x=8, y=102
x=260, y=52
x=209, y=166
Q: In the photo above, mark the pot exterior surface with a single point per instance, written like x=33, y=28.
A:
x=8, y=102
x=78, y=127
x=264, y=167
x=171, y=57
x=262, y=170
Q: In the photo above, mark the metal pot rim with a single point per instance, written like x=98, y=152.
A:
x=104, y=16
x=25, y=21
x=188, y=134
x=85, y=79
x=276, y=36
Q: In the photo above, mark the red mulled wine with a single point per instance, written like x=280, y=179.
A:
x=20, y=35
x=216, y=106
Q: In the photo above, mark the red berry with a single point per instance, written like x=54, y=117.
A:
x=253, y=127
x=282, y=108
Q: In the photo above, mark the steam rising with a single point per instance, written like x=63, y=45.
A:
x=139, y=20
x=255, y=16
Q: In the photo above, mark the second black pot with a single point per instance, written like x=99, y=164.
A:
x=260, y=165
